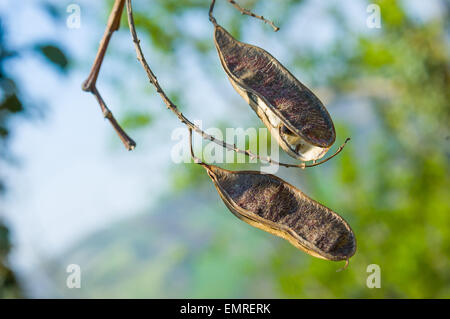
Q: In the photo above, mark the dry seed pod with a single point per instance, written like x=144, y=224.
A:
x=292, y=113
x=269, y=203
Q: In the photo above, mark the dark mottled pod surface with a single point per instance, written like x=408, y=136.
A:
x=269, y=203
x=268, y=84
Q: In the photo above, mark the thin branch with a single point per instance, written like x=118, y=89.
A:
x=211, y=8
x=328, y=158
x=90, y=84
x=345, y=266
x=195, y=158
x=171, y=106
x=242, y=11
x=251, y=14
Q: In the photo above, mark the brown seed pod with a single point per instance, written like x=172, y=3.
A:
x=293, y=114
x=269, y=203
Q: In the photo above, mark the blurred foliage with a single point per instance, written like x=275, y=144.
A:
x=9, y=288
x=54, y=55
x=12, y=107
x=136, y=120
x=394, y=189
x=390, y=183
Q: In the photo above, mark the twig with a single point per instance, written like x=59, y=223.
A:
x=90, y=84
x=328, y=158
x=242, y=11
x=251, y=14
x=171, y=106
x=345, y=266
x=195, y=158
x=211, y=8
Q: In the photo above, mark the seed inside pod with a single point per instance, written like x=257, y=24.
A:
x=293, y=114
x=269, y=203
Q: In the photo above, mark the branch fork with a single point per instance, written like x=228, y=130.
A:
x=89, y=85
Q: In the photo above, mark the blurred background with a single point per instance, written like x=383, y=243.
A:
x=140, y=225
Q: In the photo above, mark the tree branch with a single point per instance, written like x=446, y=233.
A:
x=171, y=106
x=90, y=84
x=251, y=14
x=242, y=11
